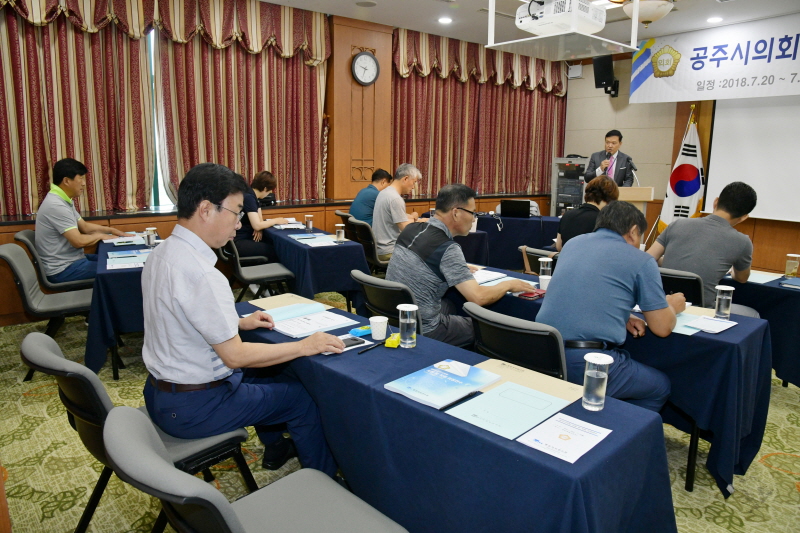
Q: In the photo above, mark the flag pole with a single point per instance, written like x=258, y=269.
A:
x=689, y=122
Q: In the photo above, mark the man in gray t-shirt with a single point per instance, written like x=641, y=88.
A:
x=709, y=246
x=61, y=233
x=389, y=217
x=429, y=262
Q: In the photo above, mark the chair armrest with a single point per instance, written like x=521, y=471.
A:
x=253, y=260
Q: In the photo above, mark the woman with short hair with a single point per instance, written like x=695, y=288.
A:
x=599, y=192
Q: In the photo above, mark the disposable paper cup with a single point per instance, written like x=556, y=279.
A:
x=544, y=281
x=378, y=325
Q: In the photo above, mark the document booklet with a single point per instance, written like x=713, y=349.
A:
x=509, y=410
x=564, y=437
x=482, y=276
x=290, y=225
x=757, y=276
x=791, y=283
x=711, y=325
x=130, y=253
x=282, y=300
x=442, y=384
x=315, y=239
x=118, y=263
x=125, y=241
x=317, y=319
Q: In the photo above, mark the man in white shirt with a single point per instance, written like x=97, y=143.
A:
x=389, y=217
x=202, y=376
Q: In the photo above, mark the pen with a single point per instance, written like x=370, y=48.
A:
x=371, y=347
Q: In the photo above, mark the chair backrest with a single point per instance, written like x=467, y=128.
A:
x=138, y=457
x=24, y=276
x=382, y=297
x=530, y=257
x=690, y=284
x=28, y=238
x=349, y=228
x=367, y=238
x=528, y=344
x=80, y=390
x=230, y=250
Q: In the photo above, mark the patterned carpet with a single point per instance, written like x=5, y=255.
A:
x=50, y=475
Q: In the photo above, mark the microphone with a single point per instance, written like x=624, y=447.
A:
x=630, y=162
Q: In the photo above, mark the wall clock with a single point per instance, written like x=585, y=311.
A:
x=365, y=68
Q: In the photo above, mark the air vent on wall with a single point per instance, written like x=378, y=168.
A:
x=724, y=1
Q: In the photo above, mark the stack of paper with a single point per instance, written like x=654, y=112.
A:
x=125, y=241
x=315, y=239
x=564, y=437
x=710, y=324
x=485, y=276
x=302, y=320
x=290, y=225
x=442, y=384
x=791, y=283
x=757, y=276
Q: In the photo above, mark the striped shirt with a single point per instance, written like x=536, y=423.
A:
x=188, y=306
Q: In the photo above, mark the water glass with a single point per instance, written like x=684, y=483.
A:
x=724, y=300
x=408, y=325
x=309, y=223
x=792, y=262
x=545, y=266
x=154, y=231
x=150, y=240
x=595, y=380
x=340, y=233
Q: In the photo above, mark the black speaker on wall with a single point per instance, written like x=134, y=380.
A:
x=604, y=75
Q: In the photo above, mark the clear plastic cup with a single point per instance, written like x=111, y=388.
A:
x=545, y=266
x=340, y=233
x=153, y=231
x=150, y=240
x=544, y=282
x=378, y=325
x=595, y=380
x=309, y=223
x=722, y=309
x=408, y=325
x=792, y=262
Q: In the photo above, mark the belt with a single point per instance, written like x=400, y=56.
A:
x=592, y=345
x=166, y=386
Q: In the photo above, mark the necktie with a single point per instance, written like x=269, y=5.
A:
x=610, y=169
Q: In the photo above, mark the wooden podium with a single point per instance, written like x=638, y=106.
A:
x=638, y=196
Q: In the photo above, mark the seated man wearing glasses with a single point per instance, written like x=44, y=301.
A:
x=203, y=379
x=429, y=261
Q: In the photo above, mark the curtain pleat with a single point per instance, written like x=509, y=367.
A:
x=489, y=119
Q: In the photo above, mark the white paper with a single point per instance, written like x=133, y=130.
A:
x=681, y=324
x=317, y=244
x=124, y=266
x=303, y=326
x=507, y=278
x=365, y=344
x=711, y=325
x=293, y=225
x=125, y=241
x=564, y=437
x=483, y=276
x=757, y=276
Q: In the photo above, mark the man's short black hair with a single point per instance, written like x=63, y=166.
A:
x=737, y=199
x=621, y=217
x=614, y=133
x=68, y=168
x=381, y=174
x=207, y=181
x=454, y=195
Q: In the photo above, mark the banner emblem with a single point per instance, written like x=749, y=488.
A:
x=665, y=62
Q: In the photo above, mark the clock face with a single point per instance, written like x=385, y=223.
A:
x=365, y=68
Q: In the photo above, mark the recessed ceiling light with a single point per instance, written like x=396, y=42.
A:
x=714, y=20
x=445, y=20
x=367, y=3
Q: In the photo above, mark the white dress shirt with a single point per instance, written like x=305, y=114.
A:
x=188, y=306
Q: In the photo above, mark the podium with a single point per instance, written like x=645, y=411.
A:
x=638, y=196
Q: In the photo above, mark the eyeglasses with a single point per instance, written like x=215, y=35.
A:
x=473, y=213
x=239, y=215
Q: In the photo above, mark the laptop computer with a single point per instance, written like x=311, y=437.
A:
x=515, y=208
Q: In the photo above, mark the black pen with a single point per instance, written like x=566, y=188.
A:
x=371, y=347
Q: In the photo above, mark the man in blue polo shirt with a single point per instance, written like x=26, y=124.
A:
x=600, y=277
x=364, y=204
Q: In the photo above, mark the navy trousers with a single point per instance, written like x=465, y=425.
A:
x=249, y=398
x=628, y=380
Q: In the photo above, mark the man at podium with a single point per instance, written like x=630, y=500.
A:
x=611, y=162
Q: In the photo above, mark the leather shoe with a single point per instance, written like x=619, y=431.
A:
x=277, y=453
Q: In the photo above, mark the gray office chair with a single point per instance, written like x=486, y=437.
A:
x=367, y=239
x=382, y=297
x=88, y=405
x=56, y=306
x=690, y=284
x=527, y=344
x=262, y=275
x=349, y=229
x=304, y=501
x=28, y=238
x=530, y=258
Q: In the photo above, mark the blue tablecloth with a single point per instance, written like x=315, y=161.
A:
x=535, y=232
x=722, y=381
x=319, y=269
x=781, y=308
x=475, y=247
x=116, y=306
x=431, y=472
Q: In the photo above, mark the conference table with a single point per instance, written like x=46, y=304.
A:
x=117, y=297
x=720, y=381
x=431, y=472
x=780, y=307
x=507, y=234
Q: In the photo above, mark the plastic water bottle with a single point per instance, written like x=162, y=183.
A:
x=595, y=380
x=408, y=325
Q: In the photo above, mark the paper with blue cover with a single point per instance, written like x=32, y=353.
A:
x=791, y=283
x=442, y=384
x=509, y=410
x=129, y=253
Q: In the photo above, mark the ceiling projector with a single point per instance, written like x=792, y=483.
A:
x=548, y=17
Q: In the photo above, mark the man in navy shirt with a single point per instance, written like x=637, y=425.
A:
x=364, y=204
x=600, y=277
